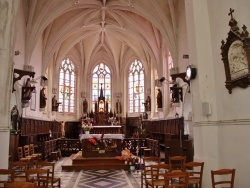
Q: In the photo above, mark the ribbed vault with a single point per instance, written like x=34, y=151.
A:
x=87, y=28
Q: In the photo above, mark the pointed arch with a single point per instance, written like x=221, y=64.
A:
x=67, y=85
x=101, y=78
x=136, y=87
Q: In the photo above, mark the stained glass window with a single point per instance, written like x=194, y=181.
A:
x=67, y=80
x=170, y=61
x=170, y=64
x=101, y=77
x=136, y=87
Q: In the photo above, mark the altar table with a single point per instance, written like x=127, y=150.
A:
x=105, y=136
x=107, y=129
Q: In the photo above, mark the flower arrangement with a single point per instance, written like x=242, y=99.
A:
x=113, y=120
x=88, y=120
x=94, y=142
x=87, y=124
x=102, y=144
x=86, y=127
x=129, y=158
x=132, y=160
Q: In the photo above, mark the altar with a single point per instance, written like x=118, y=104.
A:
x=107, y=129
x=105, y=136
x=101, y=148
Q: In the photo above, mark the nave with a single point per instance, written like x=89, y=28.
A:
x=33, y=38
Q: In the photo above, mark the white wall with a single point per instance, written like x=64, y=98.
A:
x=8, y=12
x=182, y=38
x=19, y=59
x=220, y=139
x=35, y=61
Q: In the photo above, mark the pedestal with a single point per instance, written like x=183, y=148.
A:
x=132, y=168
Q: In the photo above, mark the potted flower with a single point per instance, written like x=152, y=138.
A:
x=112, y=120
x=86, y=127
x=86, y=124
x=132, y=161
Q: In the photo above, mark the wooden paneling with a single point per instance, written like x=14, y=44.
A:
x=166, y=126
x=45, y=148
x=72, y=129
x=34, y=127
x=132, y=124
x=34, y=131
x=173, y=148
x=14, y=143
x=68, y=146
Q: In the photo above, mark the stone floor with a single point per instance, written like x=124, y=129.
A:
x=97, y=178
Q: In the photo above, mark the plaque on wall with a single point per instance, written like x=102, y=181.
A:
x=236, y=56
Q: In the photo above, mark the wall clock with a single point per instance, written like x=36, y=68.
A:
x=236, y=56
x=190, y=72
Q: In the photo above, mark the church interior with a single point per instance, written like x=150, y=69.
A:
x=87, y=83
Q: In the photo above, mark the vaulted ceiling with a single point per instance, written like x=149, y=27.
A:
x=109, y=30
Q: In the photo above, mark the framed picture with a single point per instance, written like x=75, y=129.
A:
x=235, y=54
x=33, y=101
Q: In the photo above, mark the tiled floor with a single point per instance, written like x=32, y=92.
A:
x=97, y=178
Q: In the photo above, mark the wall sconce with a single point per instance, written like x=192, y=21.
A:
x=54, y=90
x=20, y=73
x=148, y=91
x=17, y=52
x=118, y=95
x=162, y=79
x=83, y=94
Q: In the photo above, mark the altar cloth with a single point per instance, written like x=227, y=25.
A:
x=106, y=126
x=105, y=136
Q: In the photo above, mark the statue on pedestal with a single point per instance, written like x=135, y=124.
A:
x=118, y=107
x=55, y=104
x=14, y=117
x=85, y=106
x=43, y=98
x=148, y=104
x=159, y=99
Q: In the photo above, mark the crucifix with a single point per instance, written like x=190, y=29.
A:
x=231, y=13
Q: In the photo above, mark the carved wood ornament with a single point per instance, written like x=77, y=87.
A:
x=236, y=56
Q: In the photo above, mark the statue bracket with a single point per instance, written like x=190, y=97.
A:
x=21, y=73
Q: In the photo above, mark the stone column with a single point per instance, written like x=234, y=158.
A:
x=8, y=9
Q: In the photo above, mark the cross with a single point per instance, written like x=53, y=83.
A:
x=231, y=13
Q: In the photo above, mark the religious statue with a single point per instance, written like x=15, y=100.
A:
x=118, y=107
x=96, y=107
x=85, y=106
x=55, y=104
x=14, y=117
x=43, y=98
x=27, y=91
x=107, y=106
x=175, y=94
x=148, y=104
x=159, y=99
x=62, y=128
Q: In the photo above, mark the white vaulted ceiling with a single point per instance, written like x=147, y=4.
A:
x=91, y=30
